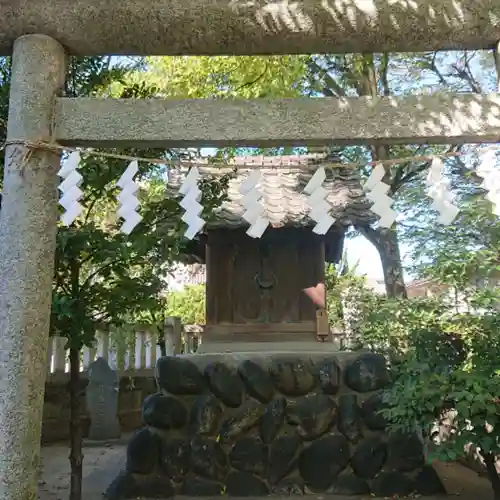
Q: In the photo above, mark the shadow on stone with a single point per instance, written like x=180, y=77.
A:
x=313, y=415
x=208, y=458
x=349, y=484
x=175, y=458
x=225, y=384
x=369, y=457
x=284, y=455
x=179, y=376
x=246, y=417
x=350, y=417
x=330, y=376
x=427, y=482
x=392, y=484
x=200, y=487
x=371, y=412
x=245, y=484
x=405, y=452
x=294, y=376
x=272, y=419
x=367, y=373
x=323, y=461
x=258, y=381
x=205, y=414
x=164, y=412
x=249, y=455
x=143, y=452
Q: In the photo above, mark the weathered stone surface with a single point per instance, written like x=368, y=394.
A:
x=349, y=484
x=225, y=384
x=208, y=458
x=367, y=373
x=102, y=401
x=28, y=226
x=143, y=452
x=427, y=482
x=154, y=486
x=123, y=486
x=320, y=464
x=313, y=415
x=164, y=412
x=288, y=487
x=205, y=414
x=258, y=381
x=271, y=122
x=349, y=26
x=249, y=455
x=248, y=416
x=179, y=376
x=330, y=376
x=284, y=455
x=370, y=410
x=196, y=486
x=369, y=457
x=349, y=417
x=272, y=420
x=294, y=376
x=405, y=452
x=245, y=484
x=175, y=458
x=392, y=484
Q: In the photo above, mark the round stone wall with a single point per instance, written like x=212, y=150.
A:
x=283, y=425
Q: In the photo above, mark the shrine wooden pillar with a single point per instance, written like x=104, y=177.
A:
x=28, y=225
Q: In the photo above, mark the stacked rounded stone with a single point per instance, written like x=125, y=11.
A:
x=179, y=376
x=367, y=373
x=289, y=426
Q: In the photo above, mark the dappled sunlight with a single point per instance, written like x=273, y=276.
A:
x=417, y=119
x=425, y=24
x=175, y=27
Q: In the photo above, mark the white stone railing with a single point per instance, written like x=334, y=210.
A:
x=121, y=357
x=132, y=353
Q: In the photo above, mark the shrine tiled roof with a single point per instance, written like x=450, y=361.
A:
x=282, y=190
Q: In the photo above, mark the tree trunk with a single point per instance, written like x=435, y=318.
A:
x=385, y=240
x=387, y=245
x=75, y=428
x=489, y=461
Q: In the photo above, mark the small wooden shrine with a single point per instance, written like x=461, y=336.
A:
x=265, y=285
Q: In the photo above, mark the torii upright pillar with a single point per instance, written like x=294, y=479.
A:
x=28, y=225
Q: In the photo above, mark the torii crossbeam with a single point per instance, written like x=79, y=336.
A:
x=183, y=27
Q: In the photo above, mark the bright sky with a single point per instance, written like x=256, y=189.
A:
x=362, y=252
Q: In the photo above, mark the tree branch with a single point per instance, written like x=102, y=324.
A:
x=330, y=83
x=466, y=75
x=433, y=67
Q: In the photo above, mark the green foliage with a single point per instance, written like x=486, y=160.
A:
x=462, y=375
x=228, y=76
x=188, y=304
x=387, y=323
x=343, y=286
x=446, y=368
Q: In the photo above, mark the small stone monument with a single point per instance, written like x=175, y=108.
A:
x=102, y=401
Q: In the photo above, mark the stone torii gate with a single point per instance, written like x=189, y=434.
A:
x=40, y=33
